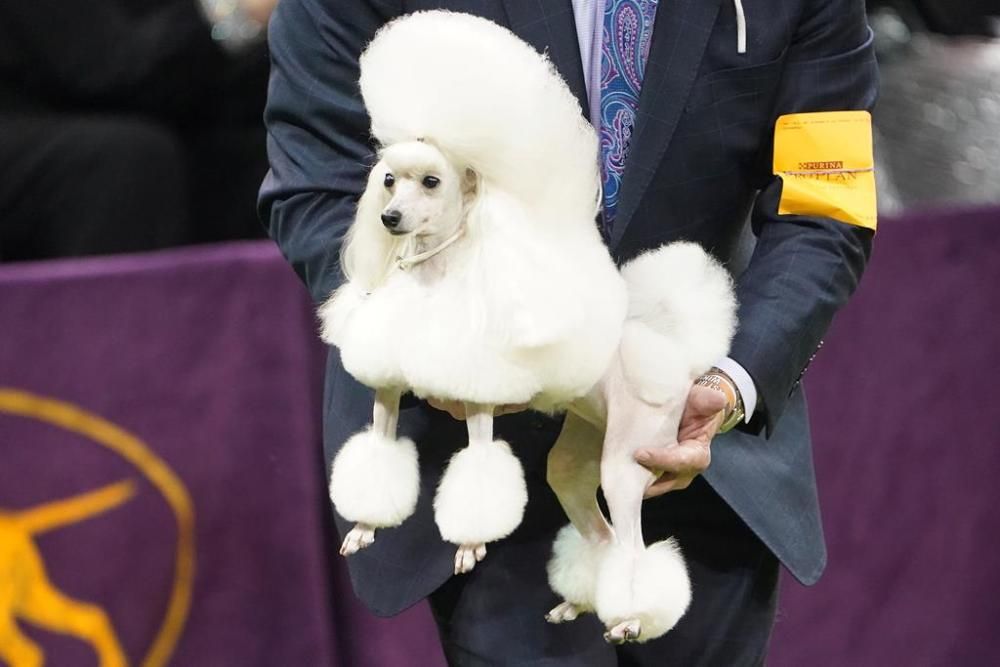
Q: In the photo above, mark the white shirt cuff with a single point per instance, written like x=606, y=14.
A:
x=739, y=375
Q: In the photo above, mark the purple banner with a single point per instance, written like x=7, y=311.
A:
x=162, y=498
x=907, y=455
x=161, y=488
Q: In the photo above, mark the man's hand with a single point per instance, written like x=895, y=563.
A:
x=457, y=408
x=679, y=464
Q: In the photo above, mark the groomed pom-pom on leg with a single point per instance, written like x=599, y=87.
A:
x=482, y=494
x=375, y=478
x=641, y=593
x=572, y=572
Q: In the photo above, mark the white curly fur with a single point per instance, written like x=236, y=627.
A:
x=375, y=480
x=681, y=293
x=573, y=567
x=681, y=319
x=651, y=586
x=524, y=304
x=535, y=317
x=501, y=109
x=482, y=495
x=530, y=306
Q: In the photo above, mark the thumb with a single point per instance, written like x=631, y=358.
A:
x=705, y=402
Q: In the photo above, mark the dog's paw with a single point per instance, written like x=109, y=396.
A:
x=467, y=556
x=626, y=631
x=564, y=612
x=359, y=537
x=642, y=591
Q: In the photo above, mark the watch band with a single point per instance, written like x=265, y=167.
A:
x=718, y=380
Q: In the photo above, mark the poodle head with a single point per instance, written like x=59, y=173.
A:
x=414, y=194
x=422, y=192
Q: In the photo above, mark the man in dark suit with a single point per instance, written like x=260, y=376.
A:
x=719, y=74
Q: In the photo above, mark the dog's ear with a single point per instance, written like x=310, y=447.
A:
x=368, y=251
x=470, y=184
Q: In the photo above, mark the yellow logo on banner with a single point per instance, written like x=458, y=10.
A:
x=827, y=166
x=35, y=598
x=25, y=590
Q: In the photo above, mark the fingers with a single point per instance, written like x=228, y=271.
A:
x=667, y=483
x=686, y=456
x=679, y=464
x=699, y=427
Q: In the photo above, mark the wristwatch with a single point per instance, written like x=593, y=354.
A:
x=718, y=380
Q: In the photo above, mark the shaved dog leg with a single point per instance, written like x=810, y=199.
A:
x=479, y=422
x=574, y=474
x=632, y=423
x=624, y=481
x=385, y=419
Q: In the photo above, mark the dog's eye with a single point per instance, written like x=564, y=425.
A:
x=431, y=182
x=389, y=181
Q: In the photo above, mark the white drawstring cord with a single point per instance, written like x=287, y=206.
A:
x=405, y=263
x=741, y=27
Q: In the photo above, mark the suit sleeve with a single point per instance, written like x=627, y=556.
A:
x=804, y=268
x=317, y=131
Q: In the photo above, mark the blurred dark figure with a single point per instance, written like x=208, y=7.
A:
x=129, y=125
x=947, y=17
x=937, y=122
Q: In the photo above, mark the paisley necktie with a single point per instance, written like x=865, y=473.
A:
x=628, y=29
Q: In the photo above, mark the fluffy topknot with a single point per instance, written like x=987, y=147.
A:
x=489, y=101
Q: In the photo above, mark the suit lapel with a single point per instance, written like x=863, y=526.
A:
x=680, y=36
x=550, y=27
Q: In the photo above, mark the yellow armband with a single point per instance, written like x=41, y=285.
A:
x=827, y=166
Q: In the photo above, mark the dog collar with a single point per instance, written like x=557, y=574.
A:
x=405, y=263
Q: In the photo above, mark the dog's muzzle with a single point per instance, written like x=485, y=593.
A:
x=391, y=220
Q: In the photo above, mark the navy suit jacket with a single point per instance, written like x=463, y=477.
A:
x=699, y=169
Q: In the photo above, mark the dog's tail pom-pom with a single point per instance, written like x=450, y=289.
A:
x=482, y=495
x=375, y=480
x=651, y=586
x=681, y=292
x=573, y=567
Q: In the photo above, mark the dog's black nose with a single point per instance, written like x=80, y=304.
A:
x=391, y=219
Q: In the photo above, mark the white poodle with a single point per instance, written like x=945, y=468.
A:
x=476, y=273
